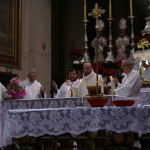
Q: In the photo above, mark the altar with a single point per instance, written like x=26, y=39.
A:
x=68, y=115
x=145, y=96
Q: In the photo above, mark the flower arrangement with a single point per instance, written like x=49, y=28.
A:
x=15, y=89
x=142, y=42
x=75, y=53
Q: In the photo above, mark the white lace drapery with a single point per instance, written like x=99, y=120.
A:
x=145, y=96
x=55, y=121
x=36, y=104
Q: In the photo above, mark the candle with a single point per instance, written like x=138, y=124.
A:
x=110, y=15
x=131, y=10
x=112, y=85
x=102, y=87
x=84, y=9
x=80, y=80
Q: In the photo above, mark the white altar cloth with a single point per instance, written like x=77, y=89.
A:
x=5, y=105
x=56, y=121
x=145, y=96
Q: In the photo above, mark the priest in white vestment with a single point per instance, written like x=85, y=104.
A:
x=33, y=88
x=70, y=88
x=131, y=83
x=89, y=78
x=146, y=73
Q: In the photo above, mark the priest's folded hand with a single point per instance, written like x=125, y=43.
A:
x=42, y=90
x=55, y=85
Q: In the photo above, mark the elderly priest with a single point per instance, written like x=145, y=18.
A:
x=33, y=88
x=132, y=81
x=89, y=78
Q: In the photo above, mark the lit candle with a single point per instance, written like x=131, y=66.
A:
x=102, y=87
x=84, y=9
x=131, y=10
x=112, y=85
x=80, y=80
x=81, y=89
x=110, y=15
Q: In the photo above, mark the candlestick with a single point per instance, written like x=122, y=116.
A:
x=110, y=14
x=131, y=10
x=110, y=57
x=84, y=9
x=132, y=33
x=102, y=87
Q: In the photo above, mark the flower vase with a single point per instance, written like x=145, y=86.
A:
x=16, y=96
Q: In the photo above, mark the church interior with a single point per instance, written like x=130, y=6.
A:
x=52, y=36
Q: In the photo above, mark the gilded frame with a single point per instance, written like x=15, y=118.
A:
x=10, y=33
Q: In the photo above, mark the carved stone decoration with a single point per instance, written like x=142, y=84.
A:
x=123, y=40
x=102, y=42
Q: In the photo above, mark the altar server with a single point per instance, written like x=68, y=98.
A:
x=89, y=78
x=132, y=81
x=70, y=88
x=33, y=88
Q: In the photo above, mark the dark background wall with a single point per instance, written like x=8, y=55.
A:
x=68, y=29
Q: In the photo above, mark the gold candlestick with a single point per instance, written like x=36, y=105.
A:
x=131, y=9
x=110, y=14
x=84, y=9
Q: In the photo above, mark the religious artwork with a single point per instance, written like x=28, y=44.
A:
x=102, y=42
x=123, y=40
x=10, y=31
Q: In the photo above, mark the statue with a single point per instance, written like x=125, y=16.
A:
x=102, y=42
x=123, y=40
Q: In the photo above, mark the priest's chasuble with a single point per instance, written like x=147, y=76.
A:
x=89, y=80
x=130, y=85
x=68, y=91
x=146, y=73
x=32, y=89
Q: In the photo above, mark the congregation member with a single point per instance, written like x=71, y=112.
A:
x=33, y=88
x=89, y=78
x=2, y=91
x=146, y=73
x=70, y=88
x=132, y=81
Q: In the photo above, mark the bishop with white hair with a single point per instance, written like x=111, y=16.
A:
x=33, y=88
x=132, y=81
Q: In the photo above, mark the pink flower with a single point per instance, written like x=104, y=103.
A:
x=15, y=89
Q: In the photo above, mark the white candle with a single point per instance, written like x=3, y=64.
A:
x=84, y=9
x=102, y=87
x=110, y=15
x=80, y=80
x=112, y=85
x=131, y=10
